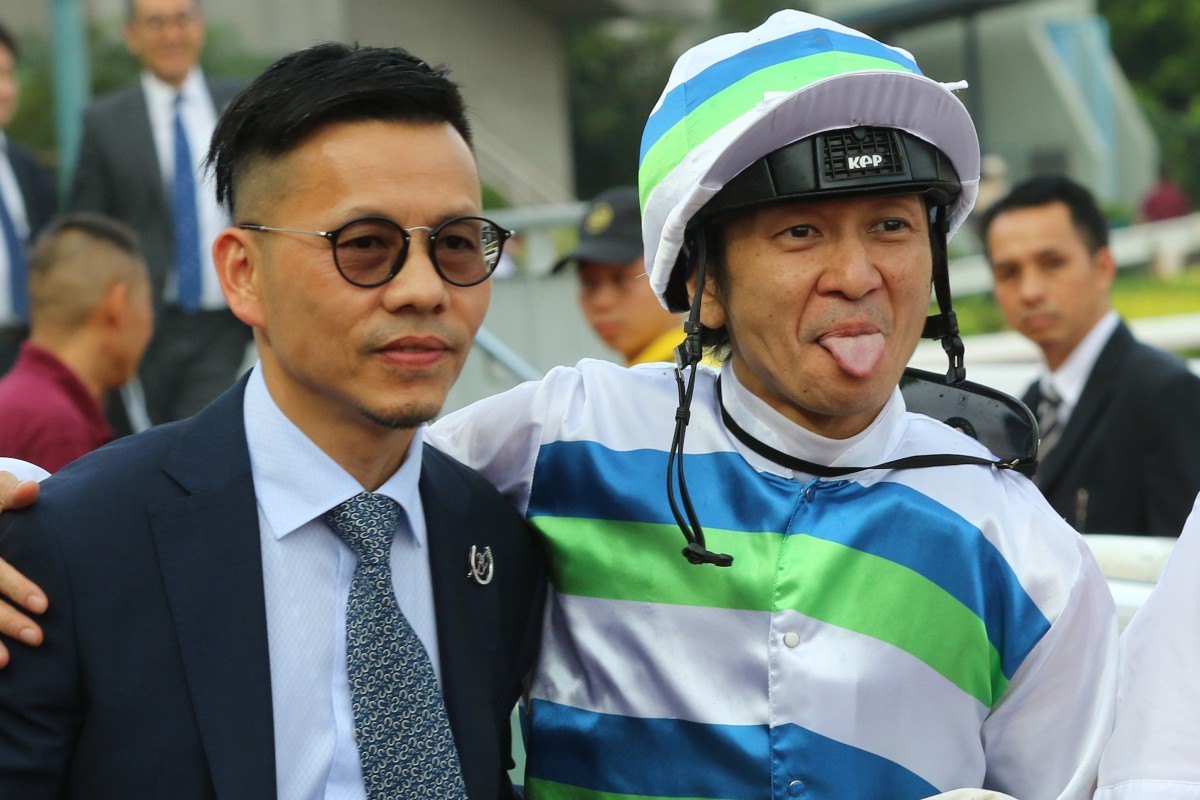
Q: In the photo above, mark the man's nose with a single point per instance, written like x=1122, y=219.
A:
x=851, y=271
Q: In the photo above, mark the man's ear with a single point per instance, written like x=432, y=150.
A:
x=237, y=257
x=712, y=310
x=1107, y=264
x=113, y=308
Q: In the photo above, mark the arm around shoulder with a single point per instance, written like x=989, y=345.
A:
x=18, y=489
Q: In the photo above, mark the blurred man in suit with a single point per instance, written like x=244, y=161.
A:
x=1119, y=420
x=140, y=162
x=26, y=204
x=90, y=320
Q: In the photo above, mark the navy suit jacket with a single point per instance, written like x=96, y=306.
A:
x=154, y=680
x=1128, y=460
x=118, y=172
x=37, y=187
x=38, y=195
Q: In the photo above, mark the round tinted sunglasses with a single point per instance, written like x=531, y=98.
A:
x=371, y=250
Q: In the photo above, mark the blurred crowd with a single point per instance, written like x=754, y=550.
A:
x=139, y=186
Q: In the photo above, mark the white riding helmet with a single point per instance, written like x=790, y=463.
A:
x=863, y=115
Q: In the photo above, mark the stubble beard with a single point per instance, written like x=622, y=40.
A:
x=405, y=418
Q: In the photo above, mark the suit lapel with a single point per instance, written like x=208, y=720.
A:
x=141, y=144
x=1091, y=405
x=209, y=553
x=24, y=170
x=465, y=623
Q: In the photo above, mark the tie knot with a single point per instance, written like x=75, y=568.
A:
x=1050, y=395
x=366, y=523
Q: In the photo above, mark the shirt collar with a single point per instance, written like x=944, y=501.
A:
x=296, y=482
x=871, y=446
x=159, y=92
x=1071, y=375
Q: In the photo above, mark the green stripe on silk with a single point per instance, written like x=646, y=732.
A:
x=537, y=789
x=658, y=573
x=875, y=597
x=892, y=603
x=729, y=104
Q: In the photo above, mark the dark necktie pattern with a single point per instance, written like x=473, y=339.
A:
x=404, y=740
x=1048, y=420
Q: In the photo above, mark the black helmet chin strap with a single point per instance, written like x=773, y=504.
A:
x=687, y=356
x=944, y=324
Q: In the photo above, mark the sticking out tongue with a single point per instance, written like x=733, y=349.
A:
x=857, y=355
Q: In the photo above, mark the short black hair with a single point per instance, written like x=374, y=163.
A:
x=321, y=85
x=69, y=270
x=98, y=226
x=1046, y=189
x=9, y=42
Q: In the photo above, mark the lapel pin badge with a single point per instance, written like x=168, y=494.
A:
x=481, y=565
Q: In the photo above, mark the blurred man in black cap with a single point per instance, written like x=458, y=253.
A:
x=614, y=290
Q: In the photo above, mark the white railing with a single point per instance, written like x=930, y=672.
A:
x=523, y=182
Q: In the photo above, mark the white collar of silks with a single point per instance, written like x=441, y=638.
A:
x=971, y=794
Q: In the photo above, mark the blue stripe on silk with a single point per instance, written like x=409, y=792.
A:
x=747, y=501
x=940, y=545
x=676, y=758
x=728, y=494
x=697, y=90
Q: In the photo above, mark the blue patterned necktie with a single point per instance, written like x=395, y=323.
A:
x=185, y=220
x=405, y=744
x=17, y=274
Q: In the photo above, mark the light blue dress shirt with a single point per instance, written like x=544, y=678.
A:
x=307, y=571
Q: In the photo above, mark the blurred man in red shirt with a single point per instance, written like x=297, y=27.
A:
x=1165, y=200
x=91, y=317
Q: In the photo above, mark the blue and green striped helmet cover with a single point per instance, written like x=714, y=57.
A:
x=734, y=99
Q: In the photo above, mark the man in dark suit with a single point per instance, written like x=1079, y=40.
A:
x=1120, y=420
x=133, y=140
x=26, y=204
x=222, y=625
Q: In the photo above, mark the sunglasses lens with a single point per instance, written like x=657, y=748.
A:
x=367, y=249
x=467, y=249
